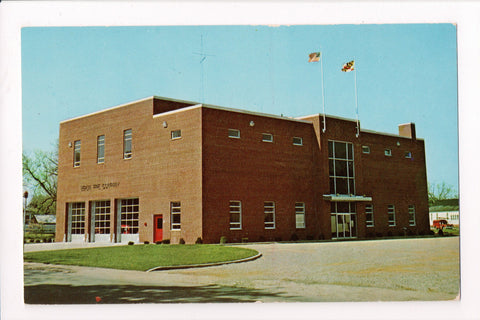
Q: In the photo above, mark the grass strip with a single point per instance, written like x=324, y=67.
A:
x=141, y=257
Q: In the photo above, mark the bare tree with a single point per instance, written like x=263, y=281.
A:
x=440, y=191
x=40, y=172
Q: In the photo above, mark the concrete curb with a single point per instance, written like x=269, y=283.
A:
x=205, y=264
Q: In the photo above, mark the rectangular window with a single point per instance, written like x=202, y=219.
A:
x=297, y=141
x=78, y=217
x=267, y=137
x=300, y=215
x=235, y=215
x=102, y=217
x=408, y=154
x=176, y=134
x=341, y=167
x=76, y=153
x=411, y=215
x=129, y=210
x=127, y=144
x=234, y=133
x=388, y=152
x=366, y=149
x=101, y=149
x=369, y=215
x=175, y=215
x=269, y=211
x=391, y=215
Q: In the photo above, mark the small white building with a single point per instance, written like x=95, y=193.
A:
x=452, y=217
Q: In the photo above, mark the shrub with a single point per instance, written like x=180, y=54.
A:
x=379, y=235
x=146, y=242
x=181, y=241
x=370, y=235
x=130, y=243
x=223, y=240
x=278, y=239
x=244, y=240
x=158, y=242
x=310, y=237
x=294, y=237
x=261, y=239
x=199, y=241
x=321, y=237
x=166, y=241
x=440, y=232
x=410, y=232
x=389, y=234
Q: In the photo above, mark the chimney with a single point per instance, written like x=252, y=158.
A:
x=407, y=130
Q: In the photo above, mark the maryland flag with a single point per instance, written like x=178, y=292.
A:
x=347, y=67
x=314, y=57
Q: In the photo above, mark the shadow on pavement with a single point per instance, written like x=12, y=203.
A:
x=68, y=294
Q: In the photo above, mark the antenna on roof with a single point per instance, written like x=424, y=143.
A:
x=203, y=57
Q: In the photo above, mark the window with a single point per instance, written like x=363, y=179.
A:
x=408, y=154
x=343, y=219
x=269, y=210
x=129, y=210
x=341, y=167
x=388, y=152
x=297, y=141
x=366, y=149
x=175, y=215
x=235, y=215
x=127, y=144
x=391, y=215
x=234, y=133
x=77, y=211
x=369, y=215
x=411, y=215
x=101, y=149
x=299, y=215
x=176, y=134
x=267, y=137
x=102, y=216
x=76, y=153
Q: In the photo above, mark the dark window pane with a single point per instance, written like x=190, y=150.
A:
x=342, y=207
x=340, y=168
x=350, y=151
x=340, y=150
x=332, y=185
x=331, y=172
x=330, y=149
x=342, y=185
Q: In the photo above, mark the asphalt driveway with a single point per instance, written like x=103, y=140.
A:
x=381, y=270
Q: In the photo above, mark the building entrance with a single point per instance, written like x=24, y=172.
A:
x=343, y=220
x=158, y=228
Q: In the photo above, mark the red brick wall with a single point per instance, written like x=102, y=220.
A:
x=253, y=171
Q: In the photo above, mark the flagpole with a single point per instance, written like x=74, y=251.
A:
x=323, y=94
x=356, y=101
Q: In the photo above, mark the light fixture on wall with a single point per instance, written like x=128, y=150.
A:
x=70, y=144
x=252, y=123
x=165, y=124
x=398, y=143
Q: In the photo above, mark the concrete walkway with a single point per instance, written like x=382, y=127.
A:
x=383, y=270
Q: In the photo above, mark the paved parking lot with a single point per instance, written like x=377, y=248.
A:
x=381, y=270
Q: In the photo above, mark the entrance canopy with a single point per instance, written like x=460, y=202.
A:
x=345, y=198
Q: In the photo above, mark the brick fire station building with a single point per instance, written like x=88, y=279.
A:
x=161, y=168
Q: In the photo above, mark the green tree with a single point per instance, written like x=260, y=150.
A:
x=40, y=172
x=440, y=191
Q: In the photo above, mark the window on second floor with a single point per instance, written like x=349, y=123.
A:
x=234, y=133
x=76, y=153
x=101, y=149
x=176, y=134
x=127, y=144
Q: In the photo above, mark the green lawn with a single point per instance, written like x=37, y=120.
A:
x=141, y=257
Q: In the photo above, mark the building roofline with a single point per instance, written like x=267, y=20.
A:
x=108, y=109
x=361, y=130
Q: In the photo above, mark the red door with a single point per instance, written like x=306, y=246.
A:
x=158, y=228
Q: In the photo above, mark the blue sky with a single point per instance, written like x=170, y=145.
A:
x=405, y=73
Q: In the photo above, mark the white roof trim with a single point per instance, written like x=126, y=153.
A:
x=108, y=109
x=345, y=198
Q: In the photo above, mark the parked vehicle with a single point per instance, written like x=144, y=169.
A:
x=440, y=224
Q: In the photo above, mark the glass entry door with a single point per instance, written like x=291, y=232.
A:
x=344, y=224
